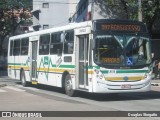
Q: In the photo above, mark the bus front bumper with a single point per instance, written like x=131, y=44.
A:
x=119, y=87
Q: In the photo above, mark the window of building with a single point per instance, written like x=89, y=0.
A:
x=69, y=42
x=44, y=44
x=56, y=45
x=45, y=26
x=45, y=5
x=24, y=46
x=16, y=48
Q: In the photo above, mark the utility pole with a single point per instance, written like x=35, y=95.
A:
x=92, y=10
x=140, y=17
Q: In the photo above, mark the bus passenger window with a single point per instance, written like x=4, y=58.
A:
x=56, y=45
x=24, y=46
x=44, y=44
x=16, y=48
x=11, y=48
x=69, y=42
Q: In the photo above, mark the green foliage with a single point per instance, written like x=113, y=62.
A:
x=150, y=10
x=12, y=14
x=130, y=7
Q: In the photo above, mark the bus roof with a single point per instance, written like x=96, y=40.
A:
x=54, y=29
x=97, y=27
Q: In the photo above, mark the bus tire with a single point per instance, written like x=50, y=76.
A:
x=23, y=79
x=68, y=86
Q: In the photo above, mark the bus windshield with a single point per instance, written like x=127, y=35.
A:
x=122, y=50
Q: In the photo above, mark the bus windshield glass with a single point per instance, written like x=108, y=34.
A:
x=122, y=50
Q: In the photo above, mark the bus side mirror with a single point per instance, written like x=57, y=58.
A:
x=92, y=44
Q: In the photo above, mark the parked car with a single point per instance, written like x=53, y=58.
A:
x=3, y=64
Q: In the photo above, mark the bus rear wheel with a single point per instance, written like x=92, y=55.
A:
x=68, y=86
x=23, y=79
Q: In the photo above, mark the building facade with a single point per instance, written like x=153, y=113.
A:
x=98, y=9
x=52, y=13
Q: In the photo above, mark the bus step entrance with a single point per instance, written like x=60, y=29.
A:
x=34, y=82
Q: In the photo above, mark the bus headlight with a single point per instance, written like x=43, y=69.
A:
x=96, y=71
x=101, y=76
x=148, y=73
x=98, y=74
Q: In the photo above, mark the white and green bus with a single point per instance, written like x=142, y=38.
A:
x=100, y=56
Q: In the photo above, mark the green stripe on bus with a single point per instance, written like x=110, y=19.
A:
x=67, y=66
x=105, y=71
x=18, y=64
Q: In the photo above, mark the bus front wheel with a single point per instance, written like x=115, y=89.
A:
x=68, y=86
x=23, y=79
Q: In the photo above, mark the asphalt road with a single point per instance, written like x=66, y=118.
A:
x=14, y=97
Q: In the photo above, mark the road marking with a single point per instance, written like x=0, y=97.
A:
x=2, y=90
x=14, y=88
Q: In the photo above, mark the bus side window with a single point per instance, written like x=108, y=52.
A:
x=24, y=46
x=16, y=48
x=69, y=42
x=44, y=44
x=11, y=48
x=56, y=45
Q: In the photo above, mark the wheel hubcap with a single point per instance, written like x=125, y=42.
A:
x=69, y=85
x=23, y=81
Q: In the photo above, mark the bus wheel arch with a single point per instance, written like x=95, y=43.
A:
x=63, y=78
x=67, y=84
x=23, y=78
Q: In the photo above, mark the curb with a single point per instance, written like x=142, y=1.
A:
x=3, y=85
x=155, y=84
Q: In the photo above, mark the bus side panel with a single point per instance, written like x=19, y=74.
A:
x=52, y=71
x=25, y=65
x=42, y=70
x=11, y=70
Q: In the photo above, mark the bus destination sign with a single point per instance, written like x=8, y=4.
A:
x=120, y=26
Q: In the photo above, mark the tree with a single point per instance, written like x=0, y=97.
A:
x=151, y=13
x=12, y=14
x=127, y=7
x=150, y=10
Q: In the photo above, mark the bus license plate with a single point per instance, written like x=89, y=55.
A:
x=126, y=86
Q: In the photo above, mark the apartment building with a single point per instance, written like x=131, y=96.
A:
x=52, y=13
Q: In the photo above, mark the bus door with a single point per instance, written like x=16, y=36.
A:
x=82, y=60
x=33, y=59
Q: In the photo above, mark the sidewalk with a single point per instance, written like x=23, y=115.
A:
x=155, y=82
